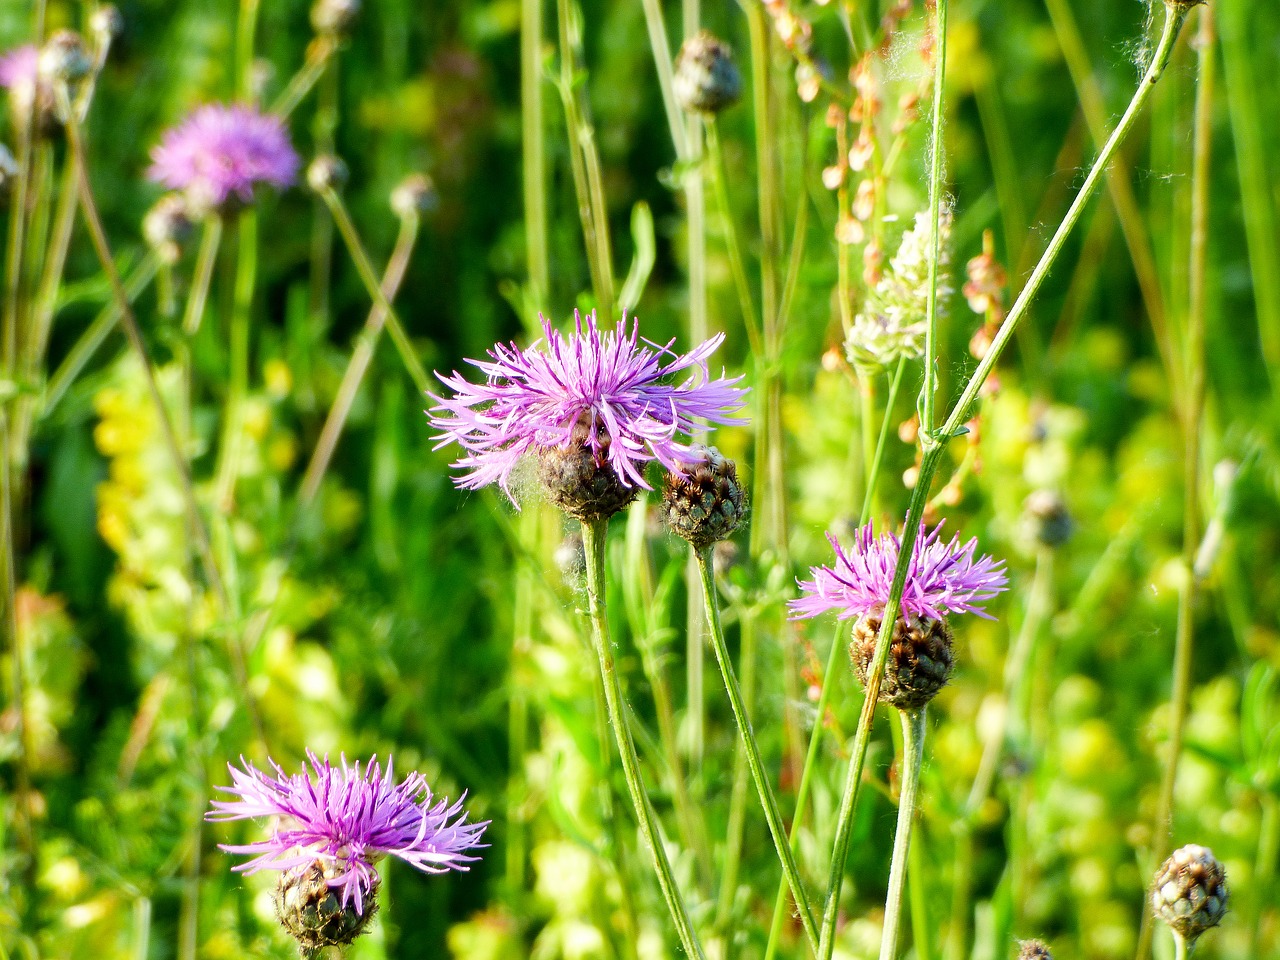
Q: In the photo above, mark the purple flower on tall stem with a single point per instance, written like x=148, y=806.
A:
x=220, y=150
x=344, y=819
x=944, y=577
x=601, y=388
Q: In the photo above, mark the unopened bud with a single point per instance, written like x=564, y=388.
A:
x=706, y=78
x=167, y=226
x=312, y=913
x=64, y=58
x=1190, y=892
x=326, y=172
x=334, y=17
x=703, y=502
x=1033, y=950
x=413, y=196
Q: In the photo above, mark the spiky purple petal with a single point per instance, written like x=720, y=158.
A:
x=944, y=577
x=349, y=817
x=533, y=398
x=219, y=150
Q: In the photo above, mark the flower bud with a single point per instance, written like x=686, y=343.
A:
x=106, y=23
x=706, y=79
x=64, y=58
x=312, y=912
x=413, y=196
x=326, y=172
x=1047, y=519
x=334, y=17
x=920, y=659
x=1190, y=892
x=1033, y=950
x=167, y=225
x=703, y=502
x=582, y=482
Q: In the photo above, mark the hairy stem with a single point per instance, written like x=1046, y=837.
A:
x=913, y=733
x=593, y=538
x=768, y=802
x=928, y=393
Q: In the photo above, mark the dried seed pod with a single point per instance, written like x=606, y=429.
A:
x=703, y=502
x=1190, y=892
x=326, y=172
x=64, y=58
x=706, y=78
x=413, y=196
x=920, y=659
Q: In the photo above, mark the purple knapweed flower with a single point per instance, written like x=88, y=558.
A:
x=346, y=818
x=944, y=577
x=20, y=67
x=606, y=381
x=222, y=150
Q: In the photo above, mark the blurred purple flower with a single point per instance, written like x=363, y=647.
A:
x=534, y=398
x=348, y=818
x=943, y=578
x=220, y=150
x=20, y=67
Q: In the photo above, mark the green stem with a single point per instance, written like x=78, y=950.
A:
x=246, y=29
x=1254, y=171
x=593, y=538
x=913, y=734
x=877, y=460
x=371, y=284
x=1193, y=415
x=734, y=831
x=769, y=803
x=661, y=48
x=47, y=296
x=206, y=257
x=238, y=380
x=928, y=392
x=934, y=446
x=319, y=55
x=358, y=365
x=534, y=150
x=96, y=333
x=715, y=160
x=1181, y=949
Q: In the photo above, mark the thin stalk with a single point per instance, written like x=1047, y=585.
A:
x=593, y=538
x=1193, y=415
x=1256, y=178
x=661, y=48
x=319, y=55
x=586, y=184
x=1132, y=225
x=533, y=147
x=768, y=802
x=246, y=28
x=935, y=445
x=134, y=335
x=928, y=392
x=13, y=274
x=918, y=891
x=913, y=734
x=199, y=532
x=96, y=333
x=358, y=365
x=866, y=423
x=735, y=829
x=238, y=381
x=365, y=268
x=27, y=841
x=206, y=256
x=715, y=160
x=1181, y=949
x=141, y=928
x=877, y=459
x=64, y=220
x=1264, y=869
x=522, y=618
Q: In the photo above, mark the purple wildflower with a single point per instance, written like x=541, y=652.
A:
x=534, y=398
x=943, y=578
x=220, y=150
x=20, y=68
x=347, y=817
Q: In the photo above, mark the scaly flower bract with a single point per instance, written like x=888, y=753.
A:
x=534, y=398
x=346, y=817
x=944, y=577
x=219, y=150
